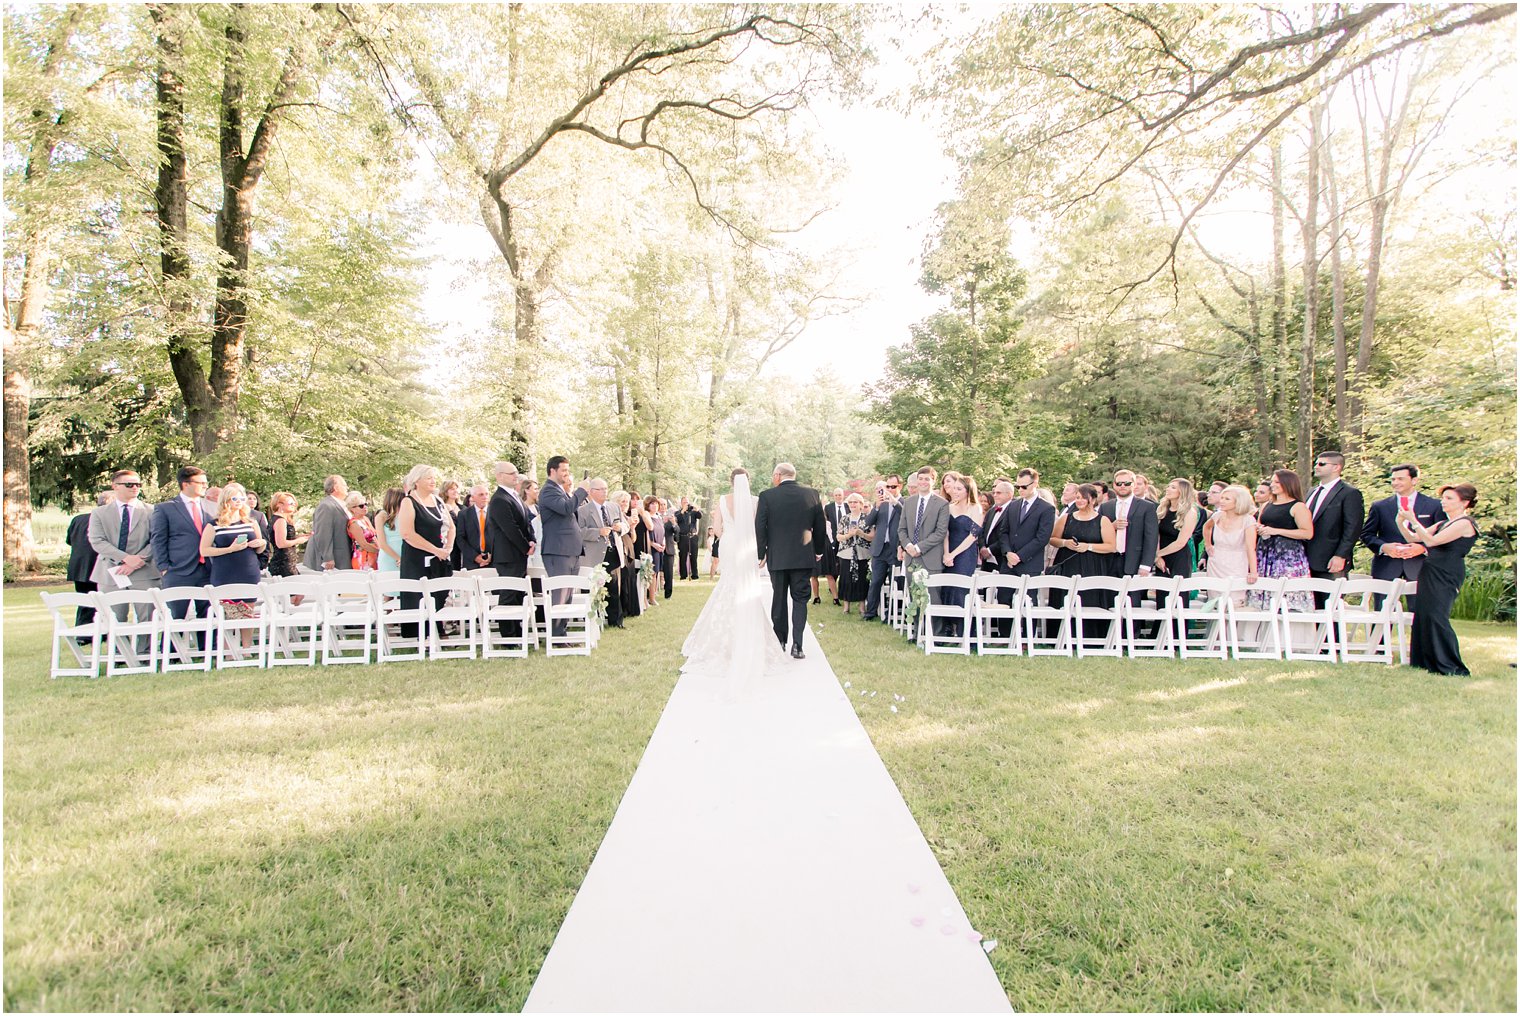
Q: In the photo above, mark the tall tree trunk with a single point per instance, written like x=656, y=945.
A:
x=23, y=319
x=1337, y=301
x=1279, y=310
x=1311, y=298
x=171, y=201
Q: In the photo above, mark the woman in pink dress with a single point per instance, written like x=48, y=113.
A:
x=362, y=532
x=1229, y=537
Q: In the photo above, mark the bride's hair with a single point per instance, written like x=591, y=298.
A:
x=736, y=472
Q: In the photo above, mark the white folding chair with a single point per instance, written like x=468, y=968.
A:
x=64, y=608
x=295, y=628
x=1365, y=632
x=229, y=631
x=1039, y=618
x=988, y=613
x=1255, y=624
x=186, y=642
x=536, y=576
x=1093, y=617
x=462, y=608
x=1148, y=601
x=349, y=616
x=493, y=613
x=948, y=613
x=391, y=642
x=1403, y=620
x=575, y=614
x=1313, y=629
x=1198, y=612
x=898, y=600
x=132, y=631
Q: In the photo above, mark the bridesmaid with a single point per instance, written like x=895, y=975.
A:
x=963, y=540
x=1433, y=642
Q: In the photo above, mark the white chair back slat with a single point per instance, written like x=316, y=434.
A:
x=132, y=632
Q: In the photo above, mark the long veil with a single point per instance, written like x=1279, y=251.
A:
x=733, y=638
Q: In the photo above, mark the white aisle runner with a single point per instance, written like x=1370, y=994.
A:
x=762, y=859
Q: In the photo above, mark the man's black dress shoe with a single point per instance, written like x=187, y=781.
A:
x=797, y=653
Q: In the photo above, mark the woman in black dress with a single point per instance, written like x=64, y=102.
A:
x=427, y=538
x=282, y=527
x=1433, y=642
x=1177, y=520
x=1083, y=539
x=635, y=543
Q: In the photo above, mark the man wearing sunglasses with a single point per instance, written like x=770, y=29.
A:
x=120, y=533
x=1338, y=512
x=1134, y=520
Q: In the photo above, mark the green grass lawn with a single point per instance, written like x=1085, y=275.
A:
x=1163, y=835
x=1137, y=835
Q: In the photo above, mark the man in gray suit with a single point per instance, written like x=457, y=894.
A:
x=923, y=527
x=883, y=521
x=329, y=547
x=120, y=533
x=602, y=526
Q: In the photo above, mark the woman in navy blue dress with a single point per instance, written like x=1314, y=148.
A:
x=964, y=539
x=231, y=548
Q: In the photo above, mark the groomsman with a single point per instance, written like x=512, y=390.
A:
x=883, y=518
x=1134, y=520
x=177, y=527
x=509, y=539
x=1338, y=513
x=1393, y=556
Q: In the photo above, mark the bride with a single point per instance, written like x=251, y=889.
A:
x=733, y=638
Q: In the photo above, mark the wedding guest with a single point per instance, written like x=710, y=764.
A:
x=120, y=534
x=963, y=538
x=283, y=558
x=1177, y=520
x=854, y=552
x=267, y=534
x=472, y=536
x=689, y=519
x=427, y=538
x=828, y=562
x=882, y=520
x=1229, y=538
x=530, y=502
x=449, y=494
x=559, y=536
x=654, y=523
x=361, y=533
x=1084, y=541
x=1433, y=642
x=1068, y=497
x=1144, y=488
x=672, y=543
x=628, y=537
x=330, y=548
x=1134, y=520
x=1337, y=510
x=1263, y=495
x=230, y=546
x=177, y=528
x=1393, y=555
x=601, y=542
x=82, y=558
x=1104, y=495
x=1283, y=528
x=387, y=535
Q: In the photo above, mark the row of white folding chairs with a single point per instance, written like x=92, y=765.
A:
x=1360, y=620
x=343, y=617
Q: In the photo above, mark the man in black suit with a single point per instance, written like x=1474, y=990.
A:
x=789, y=532
x=1020, y=528
x=509, y=539
x=1393, y=556
x=82, y=558
x=1338, y=514
x=470, y=542
x=1134, y=520
x=883, y=518
x=672, y=545
x=832, y=513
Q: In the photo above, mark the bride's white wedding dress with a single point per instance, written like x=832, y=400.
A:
x=733, y=638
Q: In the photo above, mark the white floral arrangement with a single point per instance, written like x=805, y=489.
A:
x=646, y=569
x=918, y=592
x=599, y=579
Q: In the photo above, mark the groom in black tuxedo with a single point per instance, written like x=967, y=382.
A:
x=789, y=537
